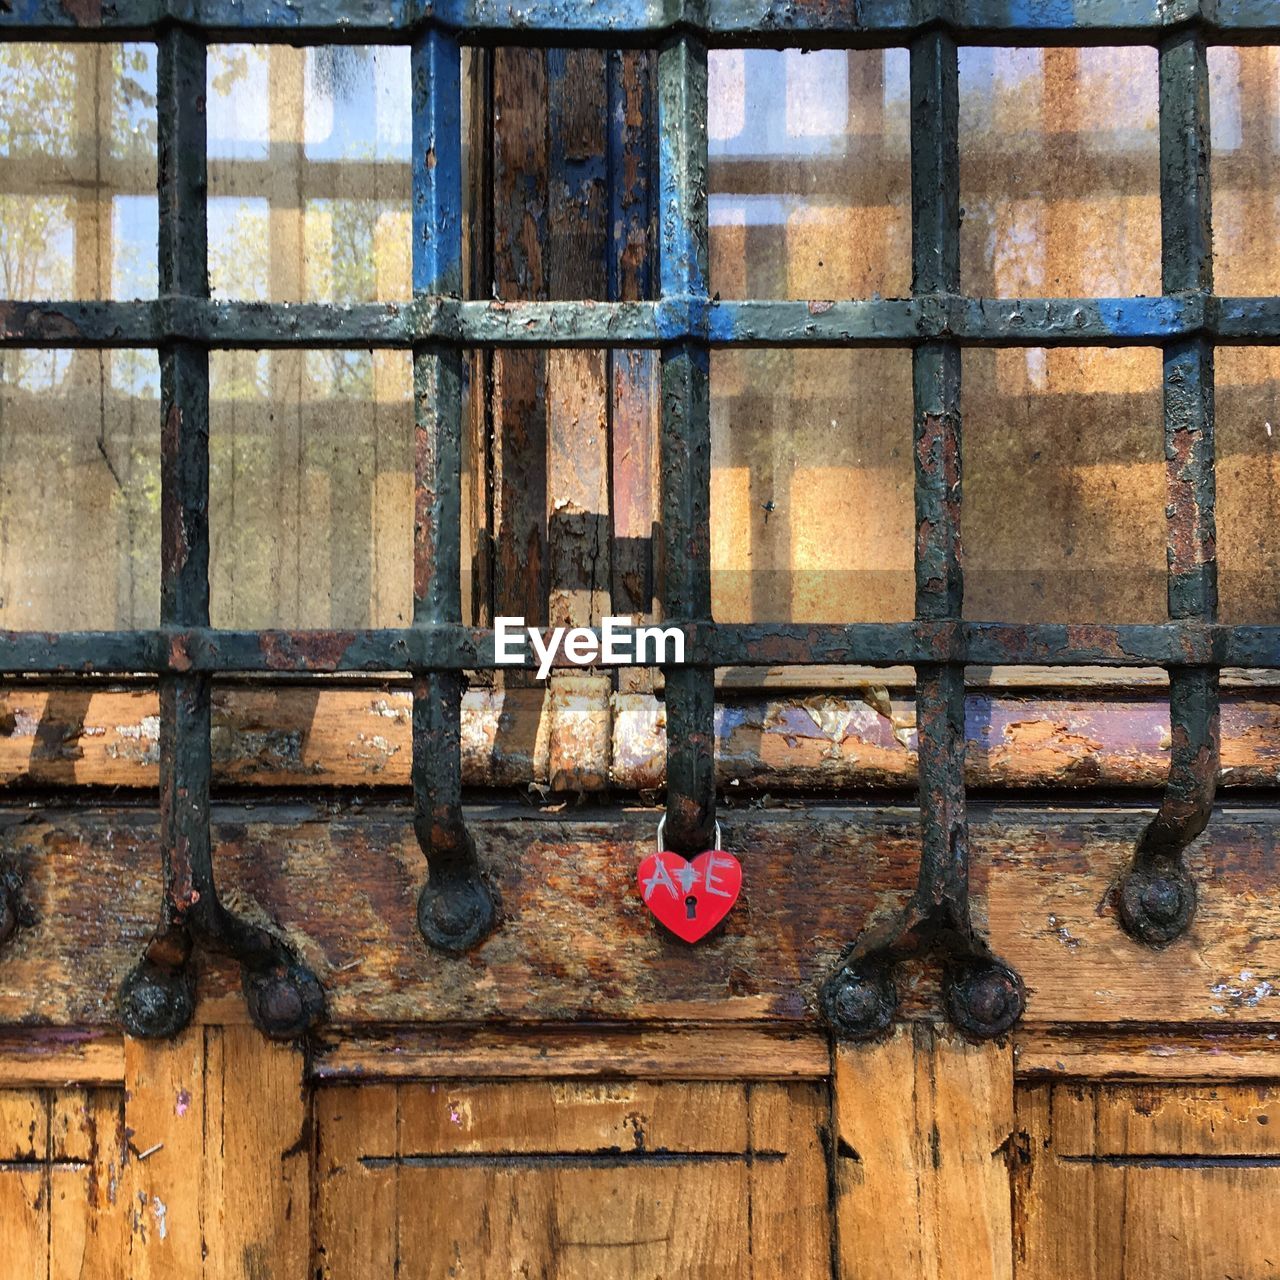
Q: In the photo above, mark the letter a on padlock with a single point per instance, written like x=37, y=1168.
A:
x=689, y=896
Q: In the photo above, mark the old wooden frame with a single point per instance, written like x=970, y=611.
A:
x=984, y=997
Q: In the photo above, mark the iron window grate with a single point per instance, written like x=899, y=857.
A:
x=984, y=997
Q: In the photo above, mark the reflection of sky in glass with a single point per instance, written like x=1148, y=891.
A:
x=135, y=233
x=239, y=245
x=236, y=104
x=357, y=103
x=37, y=88
x=771, y=103
x=752, y=211
x=135, y=111
x=1002, y=91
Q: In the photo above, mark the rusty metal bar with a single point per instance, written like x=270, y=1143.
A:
x=1157, y=897
x=158, y=997
x=768, y=644
x=844, y=23
x=892, y=322
x=685, y=449
x=984, y=997
x=456, y=907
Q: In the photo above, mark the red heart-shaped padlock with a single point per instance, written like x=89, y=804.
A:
x=690, y=898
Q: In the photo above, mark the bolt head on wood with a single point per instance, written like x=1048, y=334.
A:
x=1157, y=903
x=984, y=998
x=858, y=1004
x=156, y=1003
x=285, y=1001
x=456, y=911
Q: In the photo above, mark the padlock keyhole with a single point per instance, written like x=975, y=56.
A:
x=690, y=906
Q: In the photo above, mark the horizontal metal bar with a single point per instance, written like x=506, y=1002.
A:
x=461, y=648
x=867, y=22
x=892, y=322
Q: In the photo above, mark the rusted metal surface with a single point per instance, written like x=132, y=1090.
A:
x=1157, y=897
x=685, y=440
x=456, y=907
x=157, y=998
x=809, y=23
x=983, y=996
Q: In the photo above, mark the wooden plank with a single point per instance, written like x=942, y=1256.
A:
x=1119, y=1183
x=575, y=943
x=24, y=1212
x=39, y=1056
x=354, y=734
x=24, y=1181
x=357, y=1206
x=579, y=1223
x=1160, y=1120
x=790, y=1204
x=1175, y=1054
x=922, y=1126
x=562, y=1117
x=519, y=397
x=577, y=1180
x=708, y=1053
x=256, y=1197
x=164, y=1119
x=89, y=1214
x=24, y=1126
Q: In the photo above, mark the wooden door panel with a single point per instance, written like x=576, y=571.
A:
x=1126, y=1182
x=571, y=1179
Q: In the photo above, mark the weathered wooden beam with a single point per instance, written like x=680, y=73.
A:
x=575, y=943
x=580, y=738
x=922, y=1123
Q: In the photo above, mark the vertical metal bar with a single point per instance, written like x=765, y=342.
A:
x=456, y=908
x=1157, y=896
x=935, y=268
x=158, y=996
x=685, y=443
x=983, y=996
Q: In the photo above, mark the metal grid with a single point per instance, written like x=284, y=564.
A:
x=984, y=997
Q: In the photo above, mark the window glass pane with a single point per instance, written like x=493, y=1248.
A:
x=1247, y=434
x=810, y=173
x=79, y=490
x=311, y=488
x=812, y=507
x=1064, y=485
x=1059, y=172
x=309, y=173
x=1244, y=90
x=77, y=171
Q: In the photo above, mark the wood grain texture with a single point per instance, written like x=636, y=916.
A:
x=37, y=1056
x=164, y=1117
x=219, y=1176
x=1173, y=1054
x=1118, y=1182
x=24, y=1181
x=575, y=942
x=574, y=737
x=922, y=1124
x=574, y=1179
x=573, y=1052
x=89, y=1216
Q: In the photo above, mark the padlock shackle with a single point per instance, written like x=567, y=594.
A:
x=662, y=822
